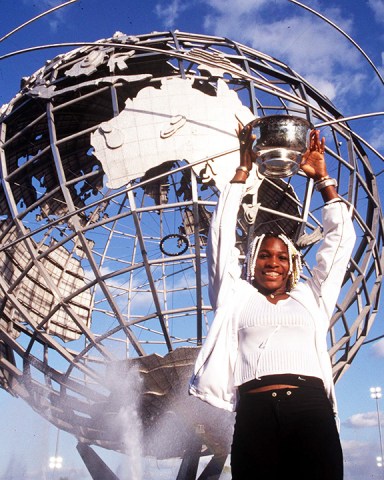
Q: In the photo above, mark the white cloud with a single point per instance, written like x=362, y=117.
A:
x=378, y=348
x=170, y=12
x=361, y=420
x=310, y=46
x=359, y=460
x=241, y=7
x=377, y=7
x=56, y=18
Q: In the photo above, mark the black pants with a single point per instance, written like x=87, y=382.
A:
x=287, y=432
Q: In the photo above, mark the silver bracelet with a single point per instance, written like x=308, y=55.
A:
x=325, y=183
x=322, y=178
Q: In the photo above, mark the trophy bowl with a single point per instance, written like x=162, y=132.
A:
x=280, y=141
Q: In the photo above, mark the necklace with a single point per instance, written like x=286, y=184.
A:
x=273, y=295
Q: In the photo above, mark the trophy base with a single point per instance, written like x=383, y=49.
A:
x=278, y=162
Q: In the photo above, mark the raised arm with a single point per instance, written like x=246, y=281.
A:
x=314, y=166
x=334, y=253
x=222, y=254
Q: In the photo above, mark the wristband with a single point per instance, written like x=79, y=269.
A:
x=242, y=168
x=327, y=182
x=322, y=178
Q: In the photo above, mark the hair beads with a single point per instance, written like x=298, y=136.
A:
x=295, y=266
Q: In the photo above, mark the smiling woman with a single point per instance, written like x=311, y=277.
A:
x=273, y=265
x=266, y=353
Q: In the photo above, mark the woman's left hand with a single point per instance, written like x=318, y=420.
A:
x=247, y=156
x=313, y=161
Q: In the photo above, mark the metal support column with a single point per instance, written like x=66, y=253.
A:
x=190, y=462
x=214, y=468
x=95, y=465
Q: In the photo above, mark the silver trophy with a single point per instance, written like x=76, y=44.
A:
x=280, y=141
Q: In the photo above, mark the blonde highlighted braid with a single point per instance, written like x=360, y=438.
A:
x=295, y=265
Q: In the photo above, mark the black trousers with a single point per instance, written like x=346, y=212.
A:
x=286, y=432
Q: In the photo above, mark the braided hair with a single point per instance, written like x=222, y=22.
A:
x=295, y=265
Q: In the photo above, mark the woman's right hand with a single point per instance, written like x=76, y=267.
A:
x=246, y=155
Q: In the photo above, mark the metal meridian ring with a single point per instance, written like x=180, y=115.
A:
x=181, y=238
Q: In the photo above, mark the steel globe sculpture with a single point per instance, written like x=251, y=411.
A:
x=112, y=159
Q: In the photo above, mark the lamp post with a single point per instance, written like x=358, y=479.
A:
x=376, y=394
x=56, y=462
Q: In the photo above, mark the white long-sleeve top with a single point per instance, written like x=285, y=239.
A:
x=274, y=339
x=214, y=375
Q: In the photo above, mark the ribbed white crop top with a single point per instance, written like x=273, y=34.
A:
x=275, y=339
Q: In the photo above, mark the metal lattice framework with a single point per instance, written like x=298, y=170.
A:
x=95, y=280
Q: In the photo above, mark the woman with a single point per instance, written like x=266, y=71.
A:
x=266, y=353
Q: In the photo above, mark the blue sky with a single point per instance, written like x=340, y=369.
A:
x=279, y=28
